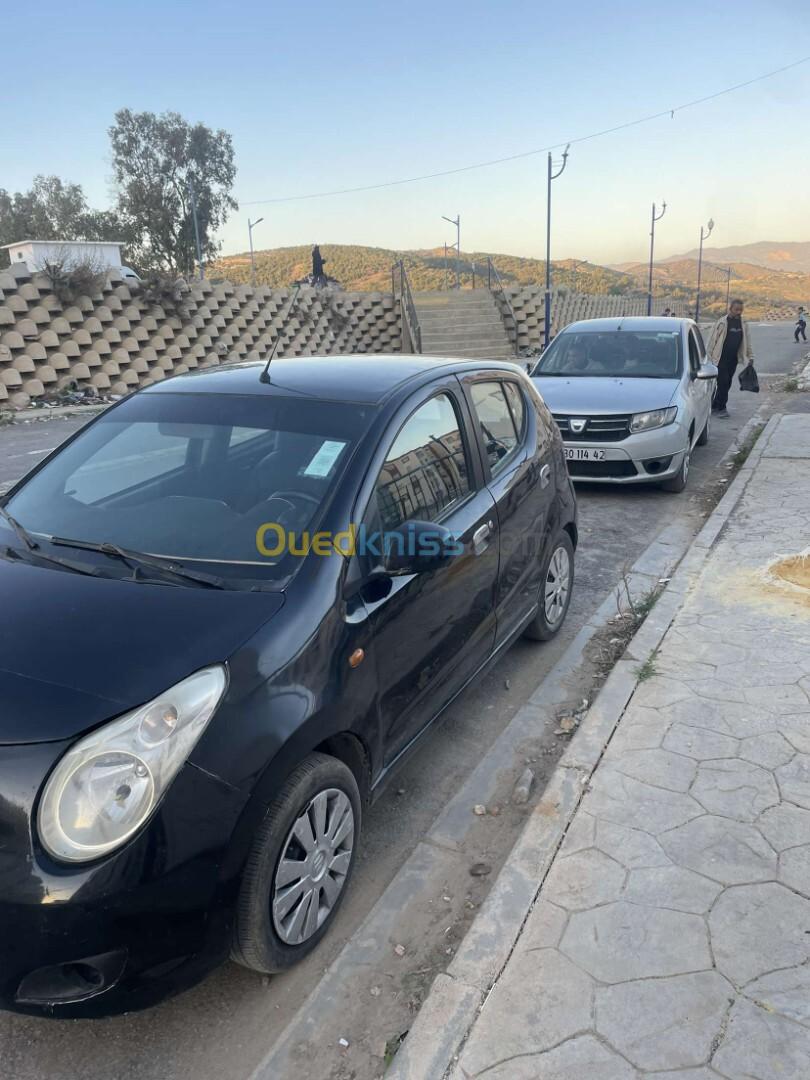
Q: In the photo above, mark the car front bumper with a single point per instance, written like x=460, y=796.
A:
x=646, y=457
x=122, y=933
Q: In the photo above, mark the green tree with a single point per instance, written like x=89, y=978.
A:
x=156, y=160
x=54, y=210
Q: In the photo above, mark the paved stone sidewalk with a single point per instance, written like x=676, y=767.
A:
x=671, y=937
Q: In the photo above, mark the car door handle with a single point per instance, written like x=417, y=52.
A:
x=481, y=536
x=545, y=476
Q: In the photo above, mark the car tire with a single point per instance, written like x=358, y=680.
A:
x=284, y=910
x=703, y=438
x=678, y=482
x=555, y=591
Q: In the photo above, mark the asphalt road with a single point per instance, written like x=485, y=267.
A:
x=775, y=351
x=225, y=1026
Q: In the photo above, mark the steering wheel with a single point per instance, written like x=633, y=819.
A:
x=281, y=499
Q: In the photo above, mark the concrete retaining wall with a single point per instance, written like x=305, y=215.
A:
x=116, y=340
x=528, y=304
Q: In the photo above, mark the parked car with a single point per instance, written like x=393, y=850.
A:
x=232, y=605
x=632, y=398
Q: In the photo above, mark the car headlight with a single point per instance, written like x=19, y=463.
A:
x=644, y=421
x=107, y=785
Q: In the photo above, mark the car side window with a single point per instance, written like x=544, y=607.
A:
x=242, y=435
x=694, y=353
x=518, y=406
x=498, y=431
x=425, y=472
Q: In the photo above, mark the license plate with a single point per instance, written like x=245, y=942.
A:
x=583, y=453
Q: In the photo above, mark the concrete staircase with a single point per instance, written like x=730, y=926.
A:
x=464, y=323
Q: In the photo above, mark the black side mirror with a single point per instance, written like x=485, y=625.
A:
x=417, y=547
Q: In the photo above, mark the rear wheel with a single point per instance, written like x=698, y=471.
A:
x=299, y=868
x=678, y=482
x=555, y=591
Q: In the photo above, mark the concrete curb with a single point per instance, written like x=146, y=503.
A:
x=449, y=1011
x=804, y=374
x=54, y=412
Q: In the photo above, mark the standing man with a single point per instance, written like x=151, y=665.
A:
x=729, y=345
x=801, y=324
x=318, y=276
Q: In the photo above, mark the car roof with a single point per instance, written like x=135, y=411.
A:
x=367, y=378
x=627, y=322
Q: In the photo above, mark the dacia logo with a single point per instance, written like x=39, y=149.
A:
x=578, y=425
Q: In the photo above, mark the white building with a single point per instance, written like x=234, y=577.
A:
x=100, y=254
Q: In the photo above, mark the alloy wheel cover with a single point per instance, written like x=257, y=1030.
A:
x=313, y=866
x=557, y=585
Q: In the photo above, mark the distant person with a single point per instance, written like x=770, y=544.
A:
x=801, y=325
x=318, y=262
x=729, y=345
x=667, y=313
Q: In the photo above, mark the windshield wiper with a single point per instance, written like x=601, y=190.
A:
x=21, y=533
x=37, y=556
x=136, y=561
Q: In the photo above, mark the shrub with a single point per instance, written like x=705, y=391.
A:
x=69, y=281
x=160, y=289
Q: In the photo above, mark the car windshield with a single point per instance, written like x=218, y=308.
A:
x=628, y=354
x=193, y=476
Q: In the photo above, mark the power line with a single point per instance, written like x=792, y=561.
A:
x=540, y=150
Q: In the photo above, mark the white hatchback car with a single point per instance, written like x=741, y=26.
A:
x=631, y=396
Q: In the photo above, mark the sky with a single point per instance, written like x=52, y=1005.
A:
x=323, y=95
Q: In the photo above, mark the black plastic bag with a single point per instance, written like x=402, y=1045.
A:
x=748, y=379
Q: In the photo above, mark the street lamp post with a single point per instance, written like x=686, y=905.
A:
x=655, y=217
x=551, y=176
x=457, y=222
x=251, y=226
x=728, y=285
x=704, y=235
x=193, y=196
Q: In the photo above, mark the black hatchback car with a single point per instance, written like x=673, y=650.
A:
x=231, y=605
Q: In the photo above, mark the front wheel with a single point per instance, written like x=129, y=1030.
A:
x=299, y=867
x=555, y=591
x=677, y=482
x=703, y=438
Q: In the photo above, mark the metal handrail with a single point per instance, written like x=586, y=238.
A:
x=408, y=306
x=492, y=271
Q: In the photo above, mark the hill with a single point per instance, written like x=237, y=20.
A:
x=763, y=290
x=369, y=269
x=768, y=253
